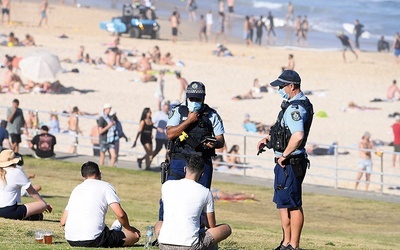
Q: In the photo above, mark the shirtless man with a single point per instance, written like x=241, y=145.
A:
x=174, y=25
x=392, y=91
x=144, y=66
x=44, y=5
x=183, y=85
x=73, y=129
x=290, y=63
x=365, y=162
x=5, y=10
x=12, y=82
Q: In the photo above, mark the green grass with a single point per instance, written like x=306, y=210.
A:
x=330, y=222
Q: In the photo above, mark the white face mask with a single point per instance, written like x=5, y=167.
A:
x=194, y=106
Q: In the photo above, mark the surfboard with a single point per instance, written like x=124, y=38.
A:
x=349, y=28
x=113, y=26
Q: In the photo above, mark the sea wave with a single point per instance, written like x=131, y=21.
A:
x=267, y=5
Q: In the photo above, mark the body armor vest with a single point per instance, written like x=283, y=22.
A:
x=196, y=133
x=280, y=135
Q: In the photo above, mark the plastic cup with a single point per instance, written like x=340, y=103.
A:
x=39, y=235
x=48, y=237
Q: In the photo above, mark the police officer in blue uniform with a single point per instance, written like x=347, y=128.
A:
x=193, y=128
x=288, y=137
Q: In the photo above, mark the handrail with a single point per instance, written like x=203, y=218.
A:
x=331, y=170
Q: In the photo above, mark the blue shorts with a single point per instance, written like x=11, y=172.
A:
x=17, y=212
x=105, y=146
x=287, y=187
x=396, y=52
x=107, y=238
x=177, y=172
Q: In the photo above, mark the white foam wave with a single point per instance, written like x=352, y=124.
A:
x=268, y=5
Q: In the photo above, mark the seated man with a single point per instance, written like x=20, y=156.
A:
x=86, y=210
x=184, y=201
x=43, y=143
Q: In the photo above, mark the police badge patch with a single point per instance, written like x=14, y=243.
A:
x=296, y=116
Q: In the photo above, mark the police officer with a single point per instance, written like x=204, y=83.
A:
x=288, y=137
x=193, y=128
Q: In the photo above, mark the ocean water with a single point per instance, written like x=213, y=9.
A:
x=326, y=17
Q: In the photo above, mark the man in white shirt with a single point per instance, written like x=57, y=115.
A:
x=184, y=201
x=84, y=215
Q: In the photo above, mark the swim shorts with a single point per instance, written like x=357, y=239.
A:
x=365, y=165
x=396, y=52
x=174, y=31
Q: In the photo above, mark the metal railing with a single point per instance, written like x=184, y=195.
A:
x=335, y=170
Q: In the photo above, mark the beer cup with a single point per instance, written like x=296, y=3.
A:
x=48, y=237
x=39, y=234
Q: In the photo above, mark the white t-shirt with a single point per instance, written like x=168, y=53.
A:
x=184, y=200
x=10, y=192
x=209, y=19
x=87, y=208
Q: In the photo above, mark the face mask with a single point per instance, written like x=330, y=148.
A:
x=283, y=93
x=194, y=106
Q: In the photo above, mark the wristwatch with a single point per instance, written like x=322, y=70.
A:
x=284, y=156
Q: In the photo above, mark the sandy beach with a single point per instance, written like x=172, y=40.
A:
x=333, y=83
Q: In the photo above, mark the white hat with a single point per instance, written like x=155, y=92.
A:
x=7, y=158
x=397, y=117
x=107, y=106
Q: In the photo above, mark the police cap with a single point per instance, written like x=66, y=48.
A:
x=287, y=77
x=196, y=90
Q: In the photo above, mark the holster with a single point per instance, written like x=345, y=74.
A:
x=164, y=171
x=299, y=166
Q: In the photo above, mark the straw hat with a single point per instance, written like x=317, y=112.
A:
x=7, y=158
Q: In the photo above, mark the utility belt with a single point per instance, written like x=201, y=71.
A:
x=299, y=164
x=292, y=158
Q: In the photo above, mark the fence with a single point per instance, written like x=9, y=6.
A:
x=336, y=170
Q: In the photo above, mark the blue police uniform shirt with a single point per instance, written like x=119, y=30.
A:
x=294, y=118
x=218, y=127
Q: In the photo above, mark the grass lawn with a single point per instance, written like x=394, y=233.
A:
x=330, y=222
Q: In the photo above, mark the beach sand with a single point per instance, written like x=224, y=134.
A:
x=334, y=83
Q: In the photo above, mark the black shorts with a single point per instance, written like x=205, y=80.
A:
x=174, y=31
x=15, y=138
x=17, y=212
x=107, y=238
x=5, y=11
x=397, y=148
x=230, y=9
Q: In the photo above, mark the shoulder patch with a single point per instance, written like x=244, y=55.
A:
x=171, y=113
x=296, y=115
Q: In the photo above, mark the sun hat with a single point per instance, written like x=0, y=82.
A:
x=287, y=77
x=196, y=90
x=7, y=158
x=107, y=106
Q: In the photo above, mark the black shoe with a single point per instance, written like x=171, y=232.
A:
x=281, y=247
x=139, y=163
x=155, y=243
x=289, y=247
x=35, y=217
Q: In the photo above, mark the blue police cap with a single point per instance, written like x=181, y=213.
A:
x=287, y=77
x=196, y=89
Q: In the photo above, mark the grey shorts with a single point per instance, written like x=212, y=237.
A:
x=397, y=148
x=205, y=241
